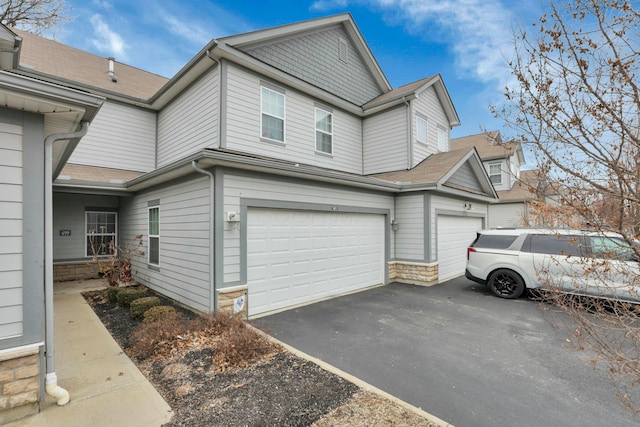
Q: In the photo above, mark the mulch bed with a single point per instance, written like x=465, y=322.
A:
x=281, y=389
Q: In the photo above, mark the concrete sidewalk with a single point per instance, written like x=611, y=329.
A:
x=106, y=388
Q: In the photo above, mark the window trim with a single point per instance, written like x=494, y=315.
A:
x=421, y=119
x=268, y=87
x=86, y=231
x=150, y=207
x=330, y=114
x=499, y=165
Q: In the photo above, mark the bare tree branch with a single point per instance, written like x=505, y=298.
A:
x=35, y=16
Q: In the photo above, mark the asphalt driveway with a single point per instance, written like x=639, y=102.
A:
x=459, y=353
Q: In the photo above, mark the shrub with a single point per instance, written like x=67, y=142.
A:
x=126, y=296
x=239, y=345
x=157, y=337
x=158, y=312
x=140, y=305
x=112, y=293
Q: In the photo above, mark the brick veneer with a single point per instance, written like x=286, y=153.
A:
x=226, y=299
x=74, y=270
x=413, y=272
x=19, y=384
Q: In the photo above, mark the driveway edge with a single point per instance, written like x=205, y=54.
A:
x=355, y=380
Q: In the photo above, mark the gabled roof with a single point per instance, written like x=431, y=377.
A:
x=413, y=90
x=438, y=171
x=272, y=34
x=489, y=146
x=64, y=63
x=530, y=186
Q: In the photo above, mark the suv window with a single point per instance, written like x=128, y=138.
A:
x=611, y=248
x=553, y=244
x=493, y=241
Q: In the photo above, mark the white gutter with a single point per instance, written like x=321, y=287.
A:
x=51, y=381
x=213, y=296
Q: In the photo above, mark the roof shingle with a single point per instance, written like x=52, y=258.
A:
x=77, y=66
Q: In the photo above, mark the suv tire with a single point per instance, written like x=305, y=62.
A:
x=506, y=284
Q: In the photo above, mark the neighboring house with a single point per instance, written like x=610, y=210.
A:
x=276, y=168
x=517, y=190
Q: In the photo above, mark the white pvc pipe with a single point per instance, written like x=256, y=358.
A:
x=51, y=382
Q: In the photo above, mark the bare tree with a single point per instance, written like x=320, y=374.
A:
x=35, y=16
x=576, y=101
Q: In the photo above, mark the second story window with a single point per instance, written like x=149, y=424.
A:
x=421, y=129
x=495, y=173
x=272, y=114
x=324, y=131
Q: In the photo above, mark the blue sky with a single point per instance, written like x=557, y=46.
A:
x=466, y=41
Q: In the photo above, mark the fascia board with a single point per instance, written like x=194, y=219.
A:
x=51, y=93
x=464, y=194
x=211, y=159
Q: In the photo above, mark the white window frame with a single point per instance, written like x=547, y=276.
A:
x=323, y=131
x=152, y=235
x=264, y=89
x=423, y=136
x=443, y=137
x=493, y=174
x=99, y=235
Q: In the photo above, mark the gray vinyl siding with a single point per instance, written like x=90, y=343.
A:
x=506, y=215
x=69, y=214
x=120, y=137
x=410, y=236
x=451, y=206
x=385, y=141
x=243, y=127
x=21, y=228
x=183, y=272
x=11, y=231
x=190, y=122
x=466, y=178
x=314, y=58
x=428, y=105
x=259, y=187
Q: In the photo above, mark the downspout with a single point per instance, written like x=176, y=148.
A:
x=51, y=380
x=213, y=296
x=409, y=135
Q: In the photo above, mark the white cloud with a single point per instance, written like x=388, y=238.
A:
x=478, y=32
x=324, y=5
x=106, y=40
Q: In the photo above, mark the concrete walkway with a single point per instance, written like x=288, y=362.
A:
x=106, y=388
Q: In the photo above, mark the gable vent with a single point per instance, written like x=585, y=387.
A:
x=344, y=51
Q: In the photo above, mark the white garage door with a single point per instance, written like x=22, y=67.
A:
x=455, y=233
x=294, y=257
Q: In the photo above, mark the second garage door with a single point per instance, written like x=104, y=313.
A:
x=455, y=233
x=295, y=257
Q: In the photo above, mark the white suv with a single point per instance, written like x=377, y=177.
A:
x=575, y=261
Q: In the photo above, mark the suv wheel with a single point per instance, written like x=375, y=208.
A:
x=506, y=284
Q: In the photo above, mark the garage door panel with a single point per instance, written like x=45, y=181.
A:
x=312, y=255
x=455, y=233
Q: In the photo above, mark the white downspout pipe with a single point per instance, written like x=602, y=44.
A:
x=213, y=296
x=51, y=380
